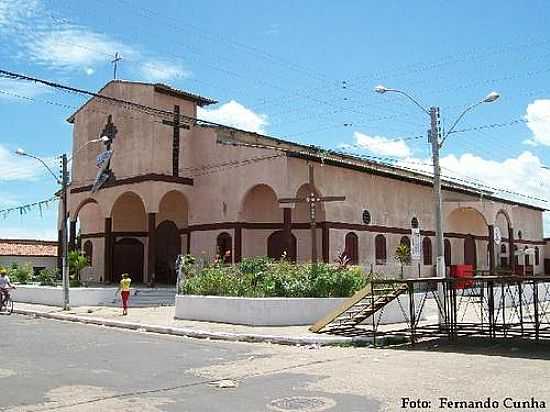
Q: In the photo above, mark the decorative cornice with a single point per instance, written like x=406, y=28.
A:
x=150, y=177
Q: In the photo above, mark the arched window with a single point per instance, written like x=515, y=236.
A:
x=352, y=248
x=537, y=256
x=527, y=257
x=407, y=242
x=520, y=235
x=427, y=251
x=89, y=251
x=224, y=247
x=516, y=257
x=414, y=222
x=503, y=255
x=380, y=249
x=447, y=252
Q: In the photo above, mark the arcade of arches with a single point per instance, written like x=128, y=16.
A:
x=146, y=244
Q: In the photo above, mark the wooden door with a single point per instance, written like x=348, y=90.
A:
x=167, y=249
x=128, y=258
x=470, y=253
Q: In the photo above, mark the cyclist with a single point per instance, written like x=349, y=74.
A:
x=5, y=286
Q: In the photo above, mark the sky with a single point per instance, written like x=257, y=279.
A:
x=299, y=70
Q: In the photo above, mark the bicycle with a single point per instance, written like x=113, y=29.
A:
x=6, y=303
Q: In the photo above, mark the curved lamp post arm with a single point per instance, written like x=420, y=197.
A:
x=21, y=153
x=103, y=139
x=412, y=99
x=459, y=118
x=491, y=97
x=382, y=89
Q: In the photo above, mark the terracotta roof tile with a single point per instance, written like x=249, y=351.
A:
x=27, y=247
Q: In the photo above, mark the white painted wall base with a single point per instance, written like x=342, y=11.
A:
x=270, y=311
x=48, y=295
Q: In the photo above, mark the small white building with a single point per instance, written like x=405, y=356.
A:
x=40, y=254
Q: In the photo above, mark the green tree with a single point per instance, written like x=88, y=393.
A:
x=77, y=262
x=403, y=256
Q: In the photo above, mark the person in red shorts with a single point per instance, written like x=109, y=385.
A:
x=125, y=292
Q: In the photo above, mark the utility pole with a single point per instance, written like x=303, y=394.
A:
x=434, y=136
x=64, y=184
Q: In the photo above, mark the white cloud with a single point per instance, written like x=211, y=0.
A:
x=14, y=167
x=382, y=146
x=10, y=89
x=74, y=48
x=160, y=71
x=236, y=115
x=30, y=232
x=538, y=117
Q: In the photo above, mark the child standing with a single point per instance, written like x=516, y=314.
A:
x=125, y=292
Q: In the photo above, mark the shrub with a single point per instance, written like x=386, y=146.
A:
x=20, y=273
x=47, y=277
x=261, y=277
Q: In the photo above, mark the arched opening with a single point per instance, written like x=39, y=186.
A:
x=259, y=207
x=224, y=247
x=405, y=241
x=448, y=252
x=470, y=224
x=502, y=223
x=88, y=251
x=352, y=248
x=427, y=251
x=504, y=262
x=129, y=222
x=380, y=250
x=527, y=258
x=414, y=222
x=276, y=246
x=167, y=249
x=128, y=253
x=470, y=251
x=171, y=218
x=537, y=256
x=88, y=221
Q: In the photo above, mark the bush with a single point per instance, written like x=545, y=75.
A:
x=261, y=277
x=47, y=277
x=20, y=273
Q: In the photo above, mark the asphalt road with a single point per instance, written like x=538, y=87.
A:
x=57, y=366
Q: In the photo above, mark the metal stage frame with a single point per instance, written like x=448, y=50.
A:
x=509, y=307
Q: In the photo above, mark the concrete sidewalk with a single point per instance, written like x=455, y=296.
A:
x=161, y=320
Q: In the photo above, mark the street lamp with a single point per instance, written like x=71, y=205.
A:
x=64, y=181
x=437, y=143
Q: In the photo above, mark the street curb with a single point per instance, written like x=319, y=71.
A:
x=201, y=334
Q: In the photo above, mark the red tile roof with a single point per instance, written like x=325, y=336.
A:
x=27, y=247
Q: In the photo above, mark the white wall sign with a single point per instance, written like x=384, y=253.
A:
x=416, y=245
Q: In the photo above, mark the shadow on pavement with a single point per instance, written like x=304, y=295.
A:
x=511, y=348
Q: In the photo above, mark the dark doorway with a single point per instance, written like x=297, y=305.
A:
x=276, y=246
x=167, y=249
x=128, y=258
x=470, y=253
x=352, y=248
x=224, y=247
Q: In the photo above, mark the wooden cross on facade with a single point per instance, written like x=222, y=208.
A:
x=110, y=131
x=312, y=200
x=177, y=125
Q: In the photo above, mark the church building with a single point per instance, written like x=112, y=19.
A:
x=165, y=184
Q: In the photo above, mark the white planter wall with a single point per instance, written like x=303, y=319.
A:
x=47, y=295
x=272, y=311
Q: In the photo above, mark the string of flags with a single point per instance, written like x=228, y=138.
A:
x=28, y=208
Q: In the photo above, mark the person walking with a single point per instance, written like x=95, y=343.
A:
x=125, y=292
